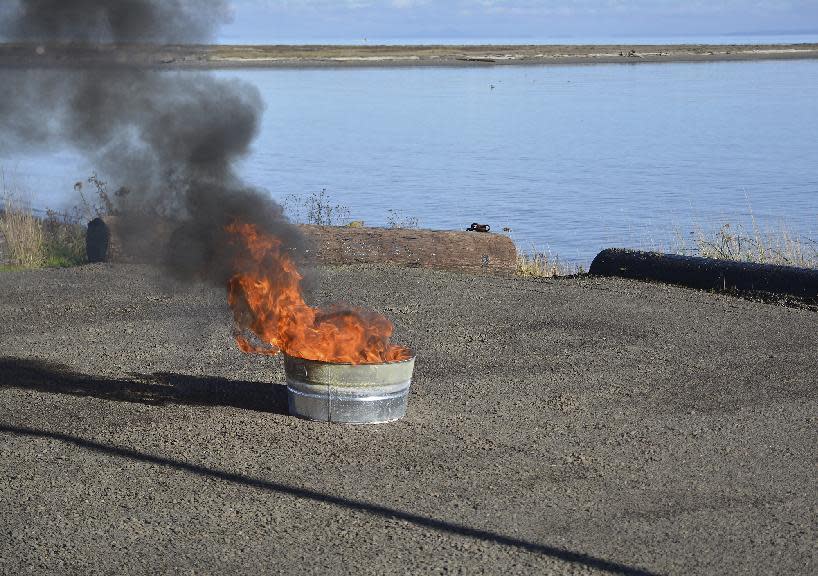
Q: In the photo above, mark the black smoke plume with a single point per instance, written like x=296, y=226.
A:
x=170, y=139
x=115, y=21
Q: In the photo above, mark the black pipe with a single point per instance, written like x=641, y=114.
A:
x=708, y=273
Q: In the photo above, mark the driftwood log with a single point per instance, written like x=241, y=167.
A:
x=446, y=250
x=474, y=252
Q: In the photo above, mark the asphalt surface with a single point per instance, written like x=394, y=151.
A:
x=569, y=426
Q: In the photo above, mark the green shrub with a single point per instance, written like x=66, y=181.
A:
x=64, y=240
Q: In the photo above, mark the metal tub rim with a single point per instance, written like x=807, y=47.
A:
x=348, y=393
x=410, y=359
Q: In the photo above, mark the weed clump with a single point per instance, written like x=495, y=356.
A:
x=315, y=208
x=397, y=219
x=64, y=240
x=539, y=264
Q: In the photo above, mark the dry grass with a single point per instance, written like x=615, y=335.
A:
x=539, y=264
x=734, y=242
x=22, y=231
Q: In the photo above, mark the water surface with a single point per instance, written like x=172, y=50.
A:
x=571, y=158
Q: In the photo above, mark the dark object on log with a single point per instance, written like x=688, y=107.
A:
x=708, y=273
x=481, y=253
x=97, y=239
x=475, y=227
x=478, y=253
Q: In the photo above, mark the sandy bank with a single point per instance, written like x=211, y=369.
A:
x=225, y=56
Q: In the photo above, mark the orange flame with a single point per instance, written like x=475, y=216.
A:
x=265, y=296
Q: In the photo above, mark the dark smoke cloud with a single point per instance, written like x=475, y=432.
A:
x=171, y=139
x=117, y=21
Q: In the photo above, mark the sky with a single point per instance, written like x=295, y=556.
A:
x=274, y=21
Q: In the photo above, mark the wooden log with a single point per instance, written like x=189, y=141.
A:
x=473, y=252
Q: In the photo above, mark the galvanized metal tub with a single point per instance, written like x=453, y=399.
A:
x=351, y=393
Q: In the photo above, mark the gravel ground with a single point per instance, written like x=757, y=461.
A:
x=570, y=426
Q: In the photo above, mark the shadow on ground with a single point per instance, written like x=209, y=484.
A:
x=304, y=493
x=157, y=388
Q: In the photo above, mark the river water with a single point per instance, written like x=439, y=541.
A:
x=571, y=158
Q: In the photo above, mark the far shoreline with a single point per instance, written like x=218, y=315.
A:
x=359, y=56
